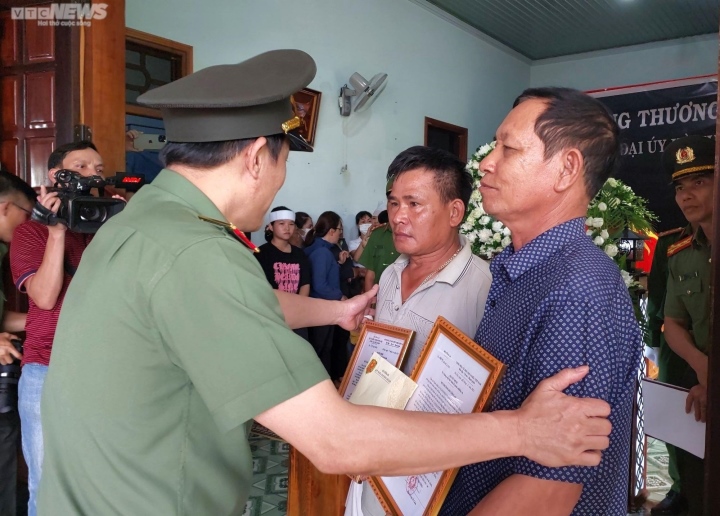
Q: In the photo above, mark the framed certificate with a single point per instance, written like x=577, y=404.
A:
x=454, y=376
x=390, y=342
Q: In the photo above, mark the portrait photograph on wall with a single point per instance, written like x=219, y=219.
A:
x=306, y=106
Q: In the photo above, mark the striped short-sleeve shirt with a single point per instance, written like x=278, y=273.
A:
x=26, y=255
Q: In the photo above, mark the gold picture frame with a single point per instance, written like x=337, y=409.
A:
x=391, y=343
x=306, y=106
x=443, y=336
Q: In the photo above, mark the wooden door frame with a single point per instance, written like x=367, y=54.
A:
x=166, y=45
x=461, y=132
x=712, y=433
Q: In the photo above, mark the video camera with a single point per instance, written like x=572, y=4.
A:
x=80, y=211
x=9, y=377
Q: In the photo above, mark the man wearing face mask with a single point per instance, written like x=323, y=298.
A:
x=364, y=222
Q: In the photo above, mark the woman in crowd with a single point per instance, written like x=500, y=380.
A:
x=286, y=267
x=325, y=281
x=303, y=224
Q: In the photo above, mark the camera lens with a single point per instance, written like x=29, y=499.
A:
x=93, y=213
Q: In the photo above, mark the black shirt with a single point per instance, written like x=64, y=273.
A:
x=284, y=271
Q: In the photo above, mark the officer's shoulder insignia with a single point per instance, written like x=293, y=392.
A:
x=670, y=232
x=233, y=230
x=679, y=246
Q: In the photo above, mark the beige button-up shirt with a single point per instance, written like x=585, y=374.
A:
x=458, y=293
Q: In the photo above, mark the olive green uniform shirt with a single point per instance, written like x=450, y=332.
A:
x=170, y=341
x=688, y=290
x=379, y=251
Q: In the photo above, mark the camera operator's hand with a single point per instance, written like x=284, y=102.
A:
x=51, y=201
x=8, y=353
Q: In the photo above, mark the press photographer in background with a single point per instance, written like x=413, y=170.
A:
x=16, y=201
x=43, y=260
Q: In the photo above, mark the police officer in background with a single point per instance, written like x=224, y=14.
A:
x=172, y=341
x=691, y=163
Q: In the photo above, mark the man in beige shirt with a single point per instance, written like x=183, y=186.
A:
x=436, y=274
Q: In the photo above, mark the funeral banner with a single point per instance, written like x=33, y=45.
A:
x=649, y=118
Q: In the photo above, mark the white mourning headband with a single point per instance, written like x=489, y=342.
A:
x=281, y=215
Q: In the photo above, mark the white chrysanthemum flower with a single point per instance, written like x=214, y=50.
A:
x=589, y=222
x=627, y=278
x=484, y=219
x=506, y=231
x=485, y=235
x=497, y=237
x=476, y=195
x=589, y=232
x=612, y=182
x=611, y=250
x=598, y=240
x=477, y=212
x=602, y=206
x=598, y=222
x=497, y=226
x=506, y=241
x=476, y=165
x=605, y=234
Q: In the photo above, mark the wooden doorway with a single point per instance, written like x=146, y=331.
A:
x=712, y=433
x=445, y=136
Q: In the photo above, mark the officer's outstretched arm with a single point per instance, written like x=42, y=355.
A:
x=550, y=428
x=304, y=312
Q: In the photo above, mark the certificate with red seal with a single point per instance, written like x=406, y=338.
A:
x=454, y=376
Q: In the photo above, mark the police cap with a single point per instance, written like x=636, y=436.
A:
x=238, y=101
x=689, y=155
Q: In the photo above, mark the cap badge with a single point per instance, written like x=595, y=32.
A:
x=684, y=155
x=291, y=124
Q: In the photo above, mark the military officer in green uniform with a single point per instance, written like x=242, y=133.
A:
x=691, y=161
x=380, y=250
x=171, y=341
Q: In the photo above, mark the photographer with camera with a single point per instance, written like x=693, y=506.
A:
x=43, y=260
x=16, y=201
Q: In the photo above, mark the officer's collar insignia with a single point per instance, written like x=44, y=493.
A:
x=679, y=246
x=234, y=230
x=684, y=155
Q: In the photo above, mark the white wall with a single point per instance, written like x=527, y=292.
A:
x=676, y=59
x=435, y=69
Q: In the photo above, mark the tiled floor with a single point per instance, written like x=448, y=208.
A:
x=658, y=481
x=268, y=496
